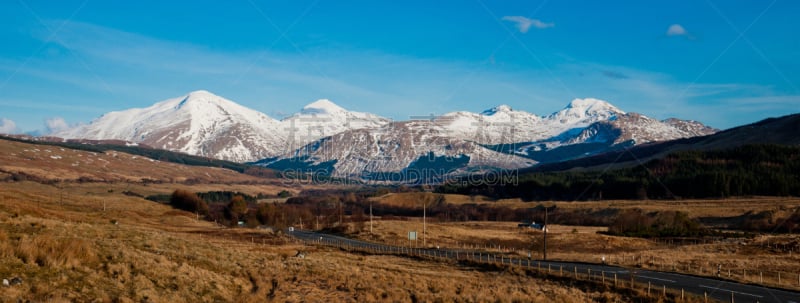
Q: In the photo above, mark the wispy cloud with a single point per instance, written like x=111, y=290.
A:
x=677, y=30
x=142, y=70
x=524, y=23
x=54, y=125
x=7, y=126
x=614, y=74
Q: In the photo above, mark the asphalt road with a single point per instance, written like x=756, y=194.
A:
x=714, y=288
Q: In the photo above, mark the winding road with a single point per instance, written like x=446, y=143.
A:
x=714, y=288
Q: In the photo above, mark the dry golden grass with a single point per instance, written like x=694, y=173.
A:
x=748, y=260
x=695, y=207
x=56, y=163
x=70, y=249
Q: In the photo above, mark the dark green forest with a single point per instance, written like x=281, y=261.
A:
x=768, y=170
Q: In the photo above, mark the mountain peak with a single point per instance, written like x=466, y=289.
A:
x=497, y=109
x=586, y=111
x=591, y=104
x=200, y=93
x=591, y=107
x=198, y=96
x=322, y=106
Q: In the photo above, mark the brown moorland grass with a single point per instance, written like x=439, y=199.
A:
x=93, y=245
x=694, y=207
x=751, y=260
x=44, y=162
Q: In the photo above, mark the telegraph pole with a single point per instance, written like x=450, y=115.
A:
x=423, y=222
x=544, y=254
x=370, y=217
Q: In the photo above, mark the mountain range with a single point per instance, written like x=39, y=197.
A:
x=327, y=138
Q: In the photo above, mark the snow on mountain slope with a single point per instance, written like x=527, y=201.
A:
x=204, y=124
x=584, y=111
x=395, y=146
x=690, y=127
x=503, y=125
x=361, y=144
x=199, y=123
x=324, y=118
x=628, y=128
x=499, y=137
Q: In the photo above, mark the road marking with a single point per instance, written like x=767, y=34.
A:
x=659, y=279
x=733, y=291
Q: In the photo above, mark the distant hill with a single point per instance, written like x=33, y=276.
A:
x=326, y=139
x=50, y=163
x=762, y=158
x=783, y=130
x=102, y=146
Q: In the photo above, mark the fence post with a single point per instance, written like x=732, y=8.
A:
x=648, y=288
x=615, y=279
x=603, y=273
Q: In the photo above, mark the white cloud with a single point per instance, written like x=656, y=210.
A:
x=677, y=30
x=7, y=126
x=523, y=23
x=57, y=124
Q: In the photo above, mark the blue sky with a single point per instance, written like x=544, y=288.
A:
x=724, y=63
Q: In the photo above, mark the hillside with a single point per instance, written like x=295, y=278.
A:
x=52, y=163
x=332, y=141
x=430, y=149
x=781, y=130
x=204, y=124
x=75, y=227
x=764, y=170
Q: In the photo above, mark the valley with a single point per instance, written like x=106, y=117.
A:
x=86, y=231
x=400, y=151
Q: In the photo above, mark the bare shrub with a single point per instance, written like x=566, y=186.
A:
x=46, y=250
x=188, y=201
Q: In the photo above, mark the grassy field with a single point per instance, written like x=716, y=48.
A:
x=752, y=260
x=90, y=242
x=695, y=207
x=70, y=238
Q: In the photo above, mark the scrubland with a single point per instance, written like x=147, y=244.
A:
x=74, y=242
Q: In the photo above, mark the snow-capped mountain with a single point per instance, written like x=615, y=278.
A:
x=324, y=118
x=387, y=152
x=363, y=145
x=499, y=137
x=503, y=125
x=201, y=123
